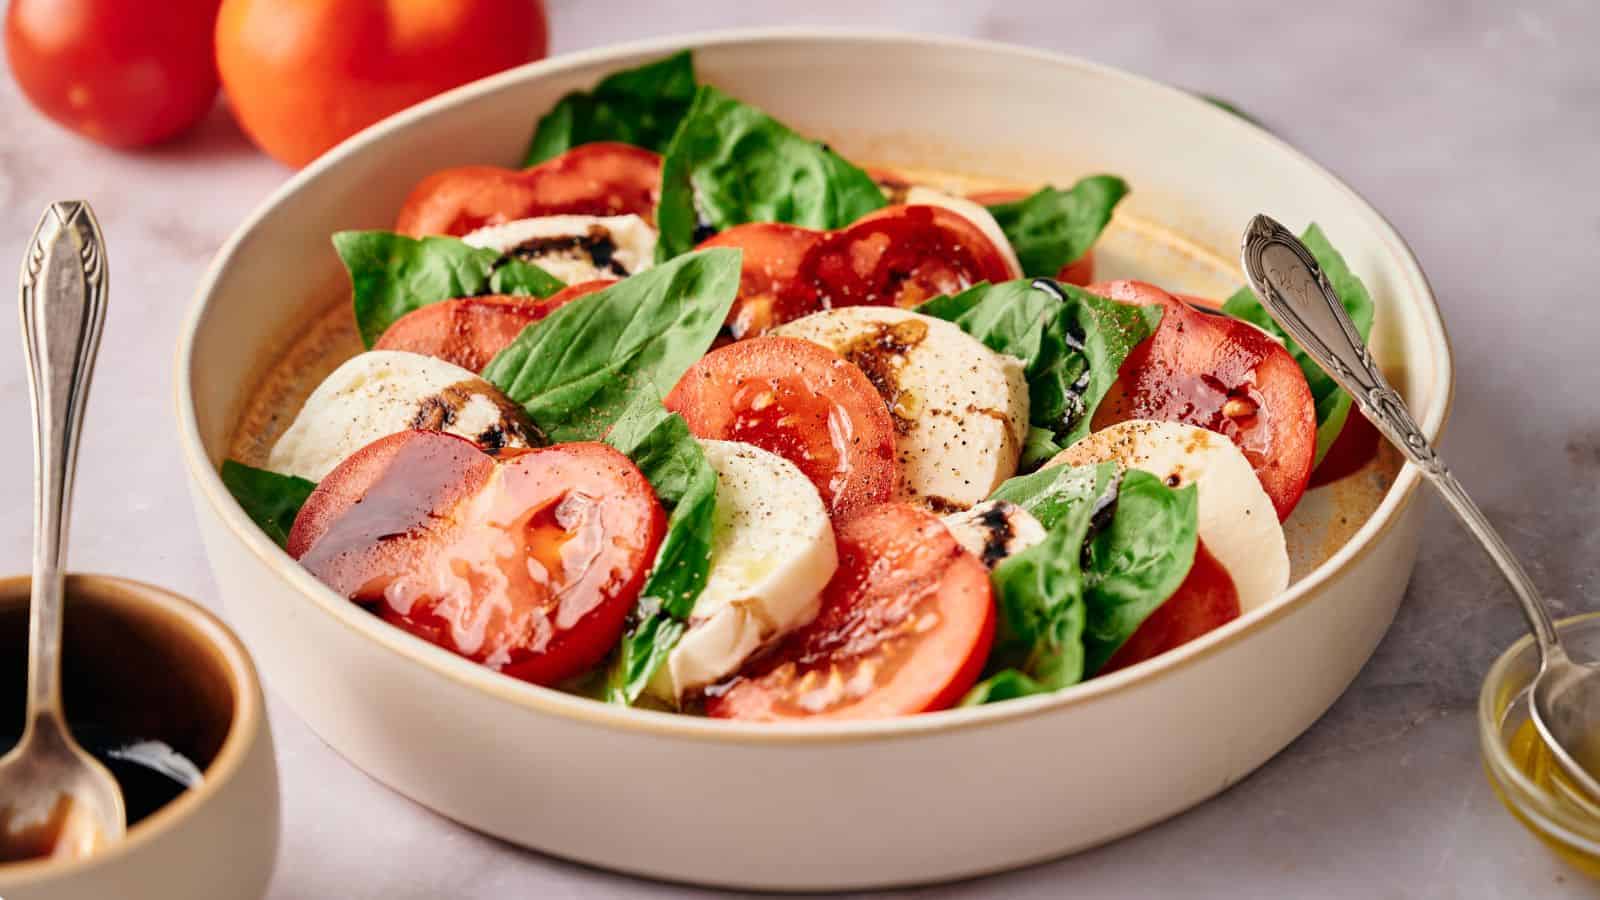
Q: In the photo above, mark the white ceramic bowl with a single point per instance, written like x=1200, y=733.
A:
x=814, y=806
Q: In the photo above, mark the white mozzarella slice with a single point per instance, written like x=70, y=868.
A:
x=575, y=249
x=994, y=530
x=960, y=409
x=972, y=212
x=772, y=553
x=1237, y=521
x=381, y=392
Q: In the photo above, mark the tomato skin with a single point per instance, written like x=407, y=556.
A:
x=600, y=179
x=1199, y=367
x=901, y=256
x=771, y=291
x=803, y=402
x=1206, y=600
x=119, y=73
x=1080, y=271
x=531, y=573
x=908, y=606
x=303, y=75
x=469, y=331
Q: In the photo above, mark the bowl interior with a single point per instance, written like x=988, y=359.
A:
x=131, y=669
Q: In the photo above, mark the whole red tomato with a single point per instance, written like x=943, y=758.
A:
x=303, y=75
x=122, y=73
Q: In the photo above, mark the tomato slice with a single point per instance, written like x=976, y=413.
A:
x=901, y=256
x=469, y=331
x=1223, y=375
x=600, y=179
x=803, y=402
x=905, y=627
x=1207, y=599
x=771, y=291
x=1356, y=445
x=528, y=565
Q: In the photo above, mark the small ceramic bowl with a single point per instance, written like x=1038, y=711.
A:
x=1520, y=768
x=142, y=661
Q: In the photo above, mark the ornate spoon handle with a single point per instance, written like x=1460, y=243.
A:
x=1287, y=279
x=63, y=300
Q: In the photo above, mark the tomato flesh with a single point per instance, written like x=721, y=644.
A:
x=600, y=179
x=528, y=565
x=905, y=627
x=1206, y=600
x=1223, y=375
x=1356, y=445
x=771, y=291
x=469, y=331
x=803, y=402
x=901, y=256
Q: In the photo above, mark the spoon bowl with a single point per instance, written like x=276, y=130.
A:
x=1286, y=277
x=55, y=799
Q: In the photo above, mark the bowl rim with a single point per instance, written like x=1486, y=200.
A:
x=244, y=730
x=206, y=480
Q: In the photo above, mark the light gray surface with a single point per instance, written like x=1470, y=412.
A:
x=1474, y=127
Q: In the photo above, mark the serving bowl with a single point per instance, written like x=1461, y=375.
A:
x=145, y=663
x=811, y=805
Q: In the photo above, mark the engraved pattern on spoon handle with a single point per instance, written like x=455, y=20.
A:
x=63, y=306
x=1295, y=290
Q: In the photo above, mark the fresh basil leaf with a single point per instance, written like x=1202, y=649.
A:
x=640, y=106
x=1039, y=598
x=1038, y=448
x=731, y=163
x=1071, y=344
x=270, y=500
x=1050, y=494
x=1224, y=105
x=660, y=444
x=1333, y=404
x=575, y=370
x=1136, y=561
x=1051, y=228
x=392, y=274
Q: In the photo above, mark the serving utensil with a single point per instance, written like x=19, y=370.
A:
x=1565, y=695
x=54, y=797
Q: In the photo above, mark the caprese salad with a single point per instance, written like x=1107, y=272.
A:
x=692, y=412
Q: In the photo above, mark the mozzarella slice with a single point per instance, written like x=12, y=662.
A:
x=575, y=249
x=994, y=530
x=772, y=553
x=960, y=409
x=972, y=212
x=1237, y=521
x=381, y=392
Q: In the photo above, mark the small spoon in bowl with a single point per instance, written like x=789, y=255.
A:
x=55, y=799
x=1565, y=695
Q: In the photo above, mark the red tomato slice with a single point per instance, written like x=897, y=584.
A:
x=601, y=179
x=530, y=570
x=802, y=402
x=1223, y=375
x=901, y=256
x=771, y=291
x=1356, y=445
x=469, y=331
x=1207, y=599
x=905, y=626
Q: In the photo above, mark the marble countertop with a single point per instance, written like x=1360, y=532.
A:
x=1473, y=126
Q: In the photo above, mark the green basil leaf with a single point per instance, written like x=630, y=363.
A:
x=575, y=370
x=1137, y=561
x=1050, y=494
x=640, y=106
x=1038, y=448
x=1039, y=599
x=660, y=444
x=1071, y=344
x=391, y=275
x=1051, y=228
x=731, y=163
x=1333, y=404
x=1226, y=106
x=270, y=500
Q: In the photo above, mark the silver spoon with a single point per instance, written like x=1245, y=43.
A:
x=54, y=797
x=1565, y=694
